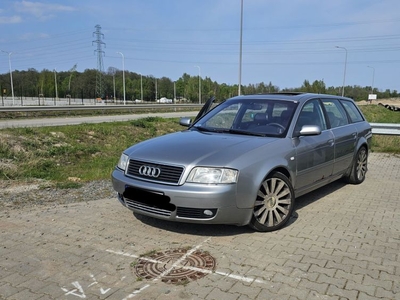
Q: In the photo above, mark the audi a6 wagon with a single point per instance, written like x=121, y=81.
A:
x=246, y=160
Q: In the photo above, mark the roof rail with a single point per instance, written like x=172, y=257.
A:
x=283, y=93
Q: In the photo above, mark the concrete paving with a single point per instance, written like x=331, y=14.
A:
x=343, y=242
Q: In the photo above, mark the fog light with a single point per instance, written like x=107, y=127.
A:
x=208, y=212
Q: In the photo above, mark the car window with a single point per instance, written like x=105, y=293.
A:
x=335, y=112
x=251, y=111
x=224, y=119
x=252, y=117
x=354, y=113
x=311, y=114
x=273, y=119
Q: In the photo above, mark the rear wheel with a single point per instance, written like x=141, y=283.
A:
x=359, y=168
x=274, y=203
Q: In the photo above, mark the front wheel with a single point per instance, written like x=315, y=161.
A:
x=274, y=203
x=359, y=167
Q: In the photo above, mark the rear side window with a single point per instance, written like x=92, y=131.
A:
x=352, y=110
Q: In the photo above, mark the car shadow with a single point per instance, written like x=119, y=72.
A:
x=194, y=229
x=313, y=196
x=228, y=230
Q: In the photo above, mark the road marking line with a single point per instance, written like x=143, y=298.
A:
x=122, y=253
x=178, y=264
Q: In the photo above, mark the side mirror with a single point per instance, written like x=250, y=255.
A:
x=185, y=121
x=308, y=130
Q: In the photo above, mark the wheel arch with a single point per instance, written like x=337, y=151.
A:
x=275, y=204
x=282, y=170
x=248, y=188
x=348, y=175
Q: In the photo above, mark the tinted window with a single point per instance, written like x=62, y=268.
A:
x=311, y=114
x=335, y=112
x=352, y=110
x=259, y=116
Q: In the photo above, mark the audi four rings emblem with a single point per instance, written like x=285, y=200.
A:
x=149, y=171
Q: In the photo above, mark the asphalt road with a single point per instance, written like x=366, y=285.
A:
x=86, y=119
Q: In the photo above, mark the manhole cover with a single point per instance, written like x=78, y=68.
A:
x=175, y=266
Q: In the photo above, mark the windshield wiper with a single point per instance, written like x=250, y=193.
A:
x=224, y=130
x=200, y=128
x=245, y=132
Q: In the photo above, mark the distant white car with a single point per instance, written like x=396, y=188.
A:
x=164, y=100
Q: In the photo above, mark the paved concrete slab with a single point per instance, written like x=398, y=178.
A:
x=343, y=242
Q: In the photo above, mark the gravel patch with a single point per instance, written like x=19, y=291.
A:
x=14, y=195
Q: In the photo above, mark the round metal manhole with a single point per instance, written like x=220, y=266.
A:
x=177, y=266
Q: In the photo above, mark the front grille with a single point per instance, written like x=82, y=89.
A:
x=169, y=174
x=195, y=213
x=144, y=207
x=148, y=201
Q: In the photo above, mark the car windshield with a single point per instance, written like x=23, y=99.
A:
x=250, y=117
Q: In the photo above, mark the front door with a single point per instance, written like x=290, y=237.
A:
x=315, y=154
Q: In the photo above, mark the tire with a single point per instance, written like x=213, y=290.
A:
x=274, y=203
x=359, y=167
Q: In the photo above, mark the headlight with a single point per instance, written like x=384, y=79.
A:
x=212, y=175
x=123, y=161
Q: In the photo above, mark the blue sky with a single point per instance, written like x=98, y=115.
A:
x=284, y=41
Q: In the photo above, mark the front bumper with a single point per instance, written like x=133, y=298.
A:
x=191, y=203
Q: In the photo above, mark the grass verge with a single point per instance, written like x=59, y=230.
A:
x=70, y=155
x=380, y=114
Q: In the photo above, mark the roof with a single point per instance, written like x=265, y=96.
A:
x=293, y=96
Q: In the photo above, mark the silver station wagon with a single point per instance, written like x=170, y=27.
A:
x=246, y=160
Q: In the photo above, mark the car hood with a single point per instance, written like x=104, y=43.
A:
x=196, y=148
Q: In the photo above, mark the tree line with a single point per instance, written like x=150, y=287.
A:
x=85, y=85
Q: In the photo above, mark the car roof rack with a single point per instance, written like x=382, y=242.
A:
x=284, y=93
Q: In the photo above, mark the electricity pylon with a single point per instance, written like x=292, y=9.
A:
x=100, y=54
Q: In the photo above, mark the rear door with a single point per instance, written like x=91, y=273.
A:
x=345, y=134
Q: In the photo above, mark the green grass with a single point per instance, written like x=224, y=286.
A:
x=79, y=152
x=70, y=155
x=380, y=114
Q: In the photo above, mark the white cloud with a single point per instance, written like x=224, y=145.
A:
x=42, y=11
x=10, y=20
x=34, y=36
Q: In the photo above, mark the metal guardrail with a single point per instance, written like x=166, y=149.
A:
x=377, y=128
x=385, y=129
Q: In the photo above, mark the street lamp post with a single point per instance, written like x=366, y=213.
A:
x=240, y=50
x=345, y=65
x=156, y=91
x=174, y=91
x=141, y=87
x=114, y=83
x=55, y=84
x=123, y=75
x=199, y=84
x=373, y=77
x=11, y=79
